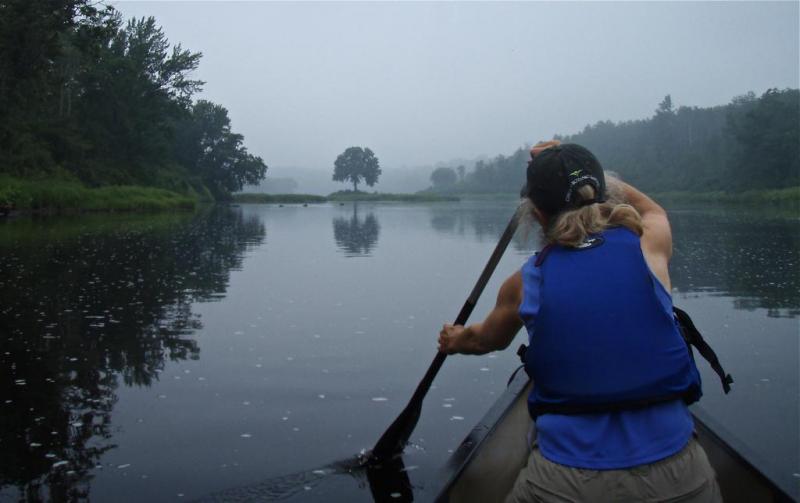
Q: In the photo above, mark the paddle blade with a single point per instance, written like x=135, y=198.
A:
x=395, y=438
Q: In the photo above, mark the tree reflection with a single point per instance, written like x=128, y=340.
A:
x=750, y=256
x=354, y=236
x=487, y=222
x=79, y=313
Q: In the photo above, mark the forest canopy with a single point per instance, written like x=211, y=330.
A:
x=85, y=95
x=751, y=143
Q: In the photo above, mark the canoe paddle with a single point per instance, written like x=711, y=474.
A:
x=396, y=436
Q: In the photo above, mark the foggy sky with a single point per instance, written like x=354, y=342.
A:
x=426, y=82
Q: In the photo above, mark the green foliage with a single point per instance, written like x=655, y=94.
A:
x=444, y=179
x=111, y=103
x=751, y=143
x=420, y=197
x=278, y=198
x=207, y=145
x=356, y=164
x=65, y=195
x=767, y=136
x=342, y=196
x=501, y=174
x=788, y=197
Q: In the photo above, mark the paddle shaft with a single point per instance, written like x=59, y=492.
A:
x=396, y=436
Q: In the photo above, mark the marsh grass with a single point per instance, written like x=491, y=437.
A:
x=61, y=195
x=788, y=198
x=342, y=196
x=279, y=198
x=419, y=197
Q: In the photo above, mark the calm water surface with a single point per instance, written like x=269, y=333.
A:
x=164, y=358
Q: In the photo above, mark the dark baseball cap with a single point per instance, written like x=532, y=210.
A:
x=556, y=173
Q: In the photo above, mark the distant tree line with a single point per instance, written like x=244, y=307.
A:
x=84, y=94
x=751, y=143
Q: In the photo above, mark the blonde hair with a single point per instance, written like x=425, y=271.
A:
x=571, y=228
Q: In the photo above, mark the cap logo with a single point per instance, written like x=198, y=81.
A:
x=573, y=185
x=575, y=173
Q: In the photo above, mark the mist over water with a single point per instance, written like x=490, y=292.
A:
x=164, y=357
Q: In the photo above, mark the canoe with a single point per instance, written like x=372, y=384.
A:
x=485, y=465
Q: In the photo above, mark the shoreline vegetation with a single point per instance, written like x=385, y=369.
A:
x=784, y=198
x=49, y=197
x=342, y=196
x=67, y=196
x=101, y=114
x=787, y=197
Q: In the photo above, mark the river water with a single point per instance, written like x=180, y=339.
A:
x=168, y=357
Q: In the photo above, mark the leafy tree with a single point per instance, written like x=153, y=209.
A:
x=209, y=149
x=32, y=35
x=135, y=92
x=356, y=164
x=443, y=178
x=84, y=93
x=766, y=134
x=749, y=143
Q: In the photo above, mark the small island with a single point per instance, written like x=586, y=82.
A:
x=343, y=196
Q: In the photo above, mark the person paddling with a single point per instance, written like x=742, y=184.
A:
x=612, y=374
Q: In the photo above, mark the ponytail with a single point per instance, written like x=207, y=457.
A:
x=572, y=227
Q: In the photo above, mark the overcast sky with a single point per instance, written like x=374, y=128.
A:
x=426, y=82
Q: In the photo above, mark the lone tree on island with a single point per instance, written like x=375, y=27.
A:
x=355, y=164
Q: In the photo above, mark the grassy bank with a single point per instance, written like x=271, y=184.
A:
x=63, y=196
x=343, y=196
x=419, y=197
x=279, y=198
x=789, y=197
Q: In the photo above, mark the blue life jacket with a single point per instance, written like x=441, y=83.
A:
x=600, y=338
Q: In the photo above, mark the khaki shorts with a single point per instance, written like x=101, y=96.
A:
x=685, y=476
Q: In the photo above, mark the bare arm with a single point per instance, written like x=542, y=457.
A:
x=657, y=236
x=495, y=332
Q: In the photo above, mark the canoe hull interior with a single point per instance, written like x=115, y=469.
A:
x=485, y=466
x=503, y=453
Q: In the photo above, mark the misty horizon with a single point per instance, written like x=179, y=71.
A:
x=424, y=83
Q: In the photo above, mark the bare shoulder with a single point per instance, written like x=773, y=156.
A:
x=657, y=245
x=657, y=235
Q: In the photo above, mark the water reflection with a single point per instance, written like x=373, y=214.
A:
x=752, y=257
x=486, y=221
x=354, y=236
x=84, y=307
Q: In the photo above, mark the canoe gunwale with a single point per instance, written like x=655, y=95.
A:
x=471, y=445
x=709, y=431
x=707, y=427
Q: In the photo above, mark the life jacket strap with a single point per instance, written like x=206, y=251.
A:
x=538, y=409
x=693, y=337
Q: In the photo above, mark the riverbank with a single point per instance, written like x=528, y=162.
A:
x=785, y=198
x=343, y=196
x=67, y=196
